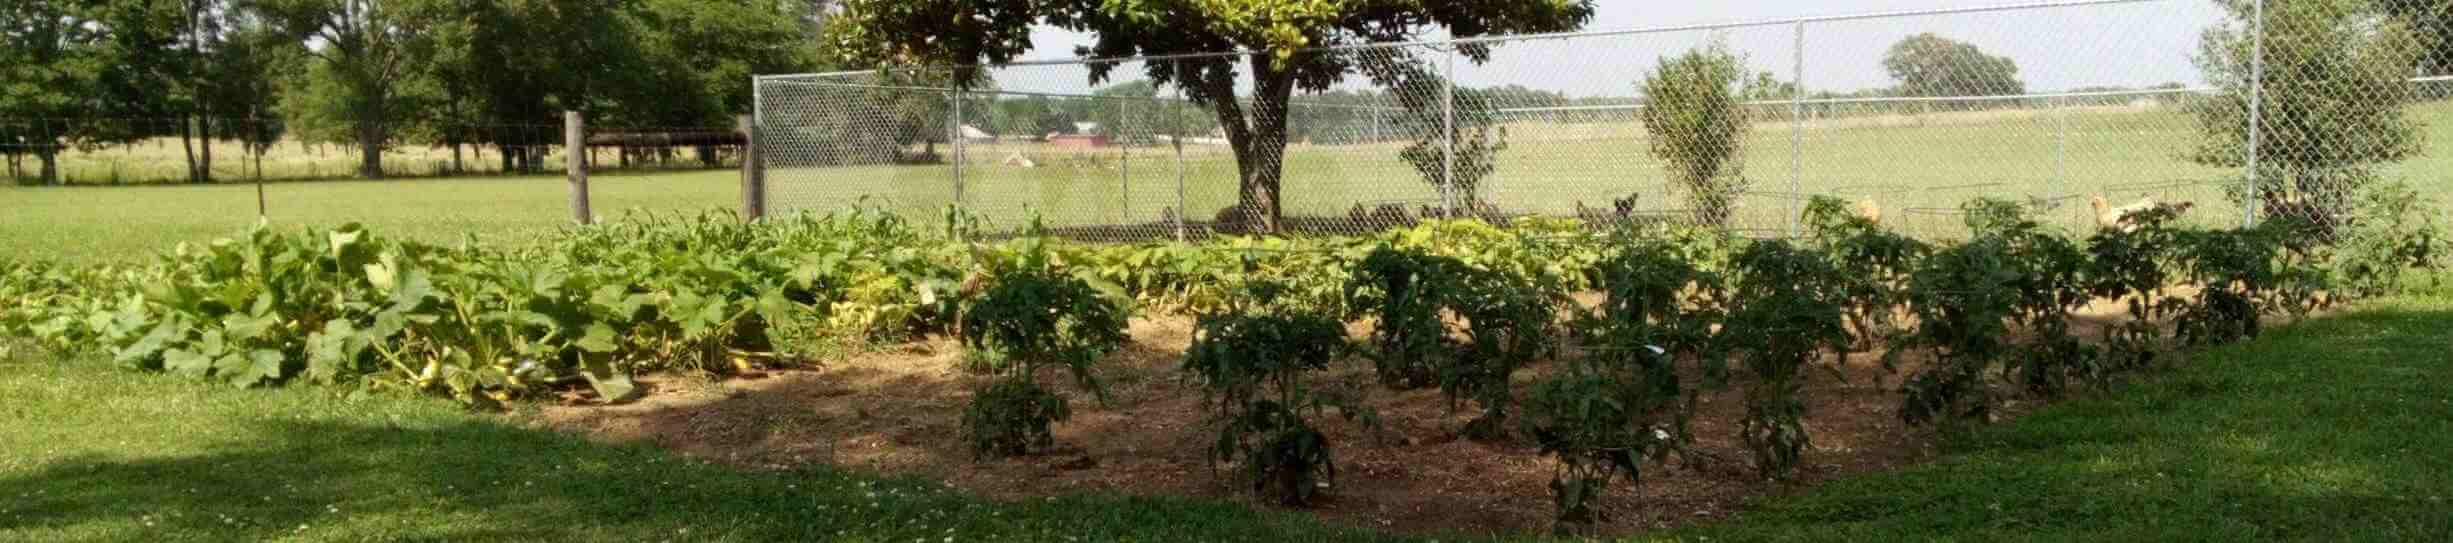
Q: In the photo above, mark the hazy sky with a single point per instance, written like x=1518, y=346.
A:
x=2136, y=44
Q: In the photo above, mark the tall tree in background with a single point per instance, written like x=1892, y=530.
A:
x=1931, y=65
x=47, y=74
x=1277, y=34
x=365, y=48
x=2334, y=96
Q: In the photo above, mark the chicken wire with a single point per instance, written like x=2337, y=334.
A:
x=1555, y=126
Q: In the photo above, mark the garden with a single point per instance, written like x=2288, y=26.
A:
x=1454, y=377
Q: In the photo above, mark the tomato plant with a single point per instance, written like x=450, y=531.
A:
x=1035, y=318
x=1789, y=308
x=1253, y=361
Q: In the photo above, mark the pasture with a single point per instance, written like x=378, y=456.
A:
x=1918, y=168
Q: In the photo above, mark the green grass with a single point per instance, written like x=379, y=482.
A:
x=1919, y=168
x=2334, y=429
x=127, y=224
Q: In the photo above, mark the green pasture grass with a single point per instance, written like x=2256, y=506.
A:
x=128, y=224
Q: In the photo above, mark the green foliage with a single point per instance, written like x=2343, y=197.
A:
x=1034, y=318
x=2341, y=109
x=2133, y=266
x=1603, y=418
x=2396, y=232
x=1697, y=126
x=1401, y=291
x=1876, y=264
x=1788, y=310
x=1277, y=34
x=1252, y=362
x=1931, y=65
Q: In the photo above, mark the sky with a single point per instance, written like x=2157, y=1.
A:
x=2135, y=44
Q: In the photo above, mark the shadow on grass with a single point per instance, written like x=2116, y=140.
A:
x=2331, y=429
x=481, y=480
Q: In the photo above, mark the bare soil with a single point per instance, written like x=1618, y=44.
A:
x=896, y=412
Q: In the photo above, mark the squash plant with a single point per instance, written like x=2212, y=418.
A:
x=1253, y=361
x=1034, y=318
x=1790, y=306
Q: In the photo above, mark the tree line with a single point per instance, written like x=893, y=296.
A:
x=374, y=74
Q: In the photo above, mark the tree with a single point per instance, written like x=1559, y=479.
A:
x=46, y=75
x=2333, y=95
x=1697, y=126
x=1280, y=37
x=366, y=48
x=1931, y=65
x=2431, y=21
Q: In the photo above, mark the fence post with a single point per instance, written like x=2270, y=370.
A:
x=959, y=159
x=1124, y=151
x=2257, y=93
x=753, y=171
x=1797, y=127
x=1447, y=167
x=574, y=161
x=1177, y=120
x=2061, y=143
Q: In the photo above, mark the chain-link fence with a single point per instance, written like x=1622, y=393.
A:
x=2082, y=109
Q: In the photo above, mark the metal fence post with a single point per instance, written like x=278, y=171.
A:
x=1797, y=125
x=575, y=163
x=1447, y=168
x=2061, y=143
x=956, y=131
x=1124, y=152
x=1177, y=120
x=753, y=171
x=2257, y=93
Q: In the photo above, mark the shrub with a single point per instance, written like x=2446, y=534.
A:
x=1034, y=319
x=2396, y=231
x=1602, y=419
x=1698, y=125
x=1789, y=308
x=2133, y=266
x=1874, y=262
x=1252, y=362
x=1402, y=291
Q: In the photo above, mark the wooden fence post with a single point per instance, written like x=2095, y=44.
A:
x=753, y=173
x=575, y=161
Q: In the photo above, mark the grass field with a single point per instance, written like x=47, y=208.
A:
x=2328, y=430
x=1918, y=168
x=121, y=224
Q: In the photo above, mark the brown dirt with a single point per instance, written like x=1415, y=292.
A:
x=897, y=412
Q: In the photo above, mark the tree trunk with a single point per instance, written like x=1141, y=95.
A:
x=51, y=164
x=503, y=152
x=187, y=144
x=370, y=150
x=456, y=168
x=204, y=156
x=1259, y=142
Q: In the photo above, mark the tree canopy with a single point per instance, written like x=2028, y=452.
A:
x=1275, y=44
x=1932, y=65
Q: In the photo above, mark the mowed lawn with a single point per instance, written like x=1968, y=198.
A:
x=128, y=224
x=2328, y=430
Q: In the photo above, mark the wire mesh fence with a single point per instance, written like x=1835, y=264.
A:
x=2082, y=110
